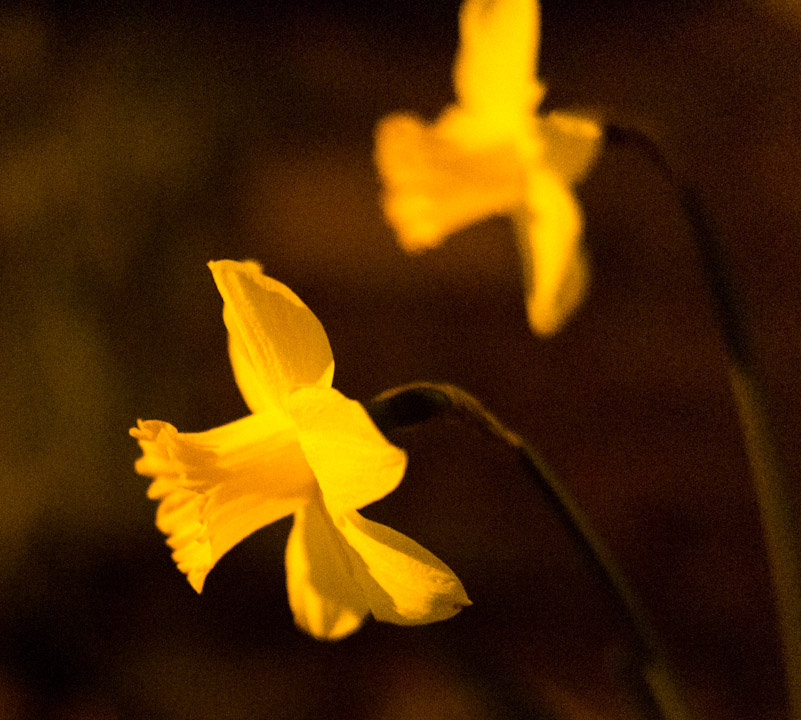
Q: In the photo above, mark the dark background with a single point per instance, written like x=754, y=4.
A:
x=138, y=143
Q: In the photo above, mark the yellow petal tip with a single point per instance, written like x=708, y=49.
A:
x=197, y=581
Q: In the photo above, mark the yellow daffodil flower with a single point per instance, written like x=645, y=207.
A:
x=490, y=153
x=305, y=450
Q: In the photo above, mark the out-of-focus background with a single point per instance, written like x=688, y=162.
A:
x=138, y=143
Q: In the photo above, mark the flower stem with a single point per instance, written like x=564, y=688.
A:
x=770, y=471
x=414, y=403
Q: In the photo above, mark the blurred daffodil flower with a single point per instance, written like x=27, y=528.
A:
x=490, y=153
x=305, y=450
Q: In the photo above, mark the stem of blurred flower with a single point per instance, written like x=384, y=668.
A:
x=410, y=404
x=770, y=470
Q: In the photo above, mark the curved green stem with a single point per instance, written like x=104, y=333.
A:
x=414, y=403
x=770, y=471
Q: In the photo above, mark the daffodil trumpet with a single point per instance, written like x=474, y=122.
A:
x=305, y=450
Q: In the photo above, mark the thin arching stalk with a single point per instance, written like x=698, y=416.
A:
x=414, y=403
x=770, y=471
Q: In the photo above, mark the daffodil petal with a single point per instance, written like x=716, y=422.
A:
x=216, y=488
x=436, y=182
x=495, y=66
x=403, y=582
x=284, y=341
x=571, y=145
x=353, y=462
x=325, y=599
x=549, y=239
x=255, y=392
